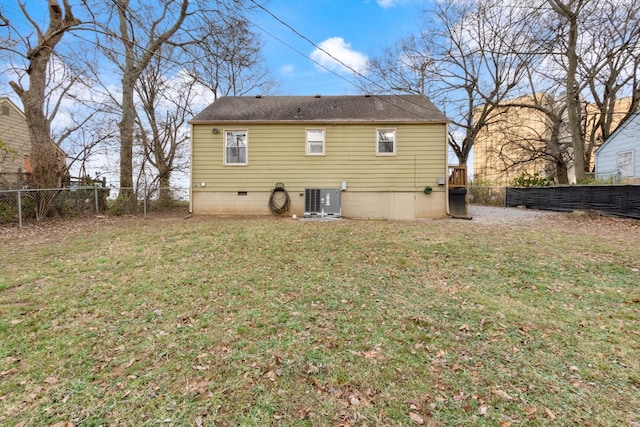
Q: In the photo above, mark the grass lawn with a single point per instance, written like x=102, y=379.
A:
x=266, y=321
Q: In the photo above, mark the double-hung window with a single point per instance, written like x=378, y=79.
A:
x=235, y=147
x=625, y=163
x=315, y=142
x=386, y=142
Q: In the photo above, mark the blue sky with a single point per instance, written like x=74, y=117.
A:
x=351, y=30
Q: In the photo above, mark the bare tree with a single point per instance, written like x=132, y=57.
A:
x=482, y=56
x=134, y=33
x=528, y=134
x=88, y=143
x=403, y=68
x=589, y=68
x=162, y=121
x=219, y=52
x=467, y=61
x=576, y=61
x=570, y=11
x=600, y=45
x=610, y=70
x=32, y=86
x=225, y=56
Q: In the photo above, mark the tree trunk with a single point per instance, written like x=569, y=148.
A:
x=132, y=69
x=126, y=199
x=573, y=103
x=554, y=147
x=126, y=127
x=165, y=198
x=46, y=171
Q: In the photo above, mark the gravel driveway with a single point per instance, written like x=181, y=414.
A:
x=497, y=215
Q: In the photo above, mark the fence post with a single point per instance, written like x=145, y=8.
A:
x=19, y=209
x=95, y=192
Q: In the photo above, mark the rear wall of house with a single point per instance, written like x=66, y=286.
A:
x=377, y=186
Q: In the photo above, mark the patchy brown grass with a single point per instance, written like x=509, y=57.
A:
x=266, y=321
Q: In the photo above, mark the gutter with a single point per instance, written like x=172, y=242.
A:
x=191, y=169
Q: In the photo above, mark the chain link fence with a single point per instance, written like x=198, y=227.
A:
x=26, y=206
x=487, y=195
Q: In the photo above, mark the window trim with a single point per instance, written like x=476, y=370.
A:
x=224, y=147
x=307, y=145
x=631, y=165
x=395, y=142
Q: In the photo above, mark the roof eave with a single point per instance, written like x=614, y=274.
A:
x=316, y=121
x=619, y=129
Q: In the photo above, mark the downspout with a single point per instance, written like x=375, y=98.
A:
x=446, y=168
x=191, y=169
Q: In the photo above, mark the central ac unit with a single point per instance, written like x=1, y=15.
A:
x=322, y=202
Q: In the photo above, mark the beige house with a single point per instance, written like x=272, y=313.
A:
x=508, y=145
x=15, y=148
x=513, y=141
x=353, y=156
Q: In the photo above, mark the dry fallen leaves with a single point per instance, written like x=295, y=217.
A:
x=416, y=418
x=503, y=394
x=550, y=414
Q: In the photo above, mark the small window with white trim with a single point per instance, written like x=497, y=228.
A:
x=386, y=142
x=625, y=163
x=235, y=147
x=315, y=142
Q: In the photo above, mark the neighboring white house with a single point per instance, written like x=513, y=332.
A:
x=619, y=155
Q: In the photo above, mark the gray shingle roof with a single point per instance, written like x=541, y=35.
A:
x=374, y=108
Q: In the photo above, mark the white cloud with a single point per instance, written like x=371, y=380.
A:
x=385, y=4
x=345, y=57
x=287, y=69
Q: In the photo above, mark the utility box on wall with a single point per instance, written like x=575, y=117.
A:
x=322, y=202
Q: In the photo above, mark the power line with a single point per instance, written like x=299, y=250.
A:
x=356, y=72
x=310, y=42
x=305, y=55
x=116, y=52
